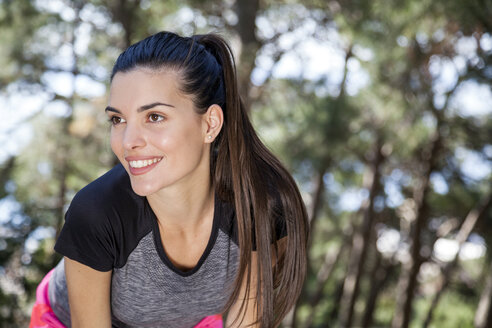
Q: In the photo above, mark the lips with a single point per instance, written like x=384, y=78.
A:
x=141, y=165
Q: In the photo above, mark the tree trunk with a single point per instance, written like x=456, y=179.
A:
x=317, y=196
x=361, y=241
x=124, y=12
x=483, y=316
x=317, y=203
x=246, y=11
x=62, y=189
x=379, y=277
x=63, y=153
x=333, y=314
x=408, y=278
x=64, y=147
x=313, y=218
x=5, y=175
x=324, y=275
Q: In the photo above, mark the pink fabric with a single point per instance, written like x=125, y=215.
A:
x=42, y=314
x=213, y=321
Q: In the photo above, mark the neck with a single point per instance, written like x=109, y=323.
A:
x=182, y=208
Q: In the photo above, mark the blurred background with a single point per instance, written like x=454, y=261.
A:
x=382, y=110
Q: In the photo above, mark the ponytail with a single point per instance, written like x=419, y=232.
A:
x=263, y=191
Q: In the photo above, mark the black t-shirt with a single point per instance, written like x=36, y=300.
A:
x=109, y=227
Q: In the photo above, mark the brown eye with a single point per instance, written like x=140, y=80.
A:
x=155, y=117
x=115, y=120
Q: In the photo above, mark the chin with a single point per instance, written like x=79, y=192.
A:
x=142, y=189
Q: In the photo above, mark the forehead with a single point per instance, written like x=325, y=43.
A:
x=141, y=86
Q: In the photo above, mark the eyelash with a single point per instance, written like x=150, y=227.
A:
x=160, y=119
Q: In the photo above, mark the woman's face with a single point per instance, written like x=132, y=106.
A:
x=156, y=133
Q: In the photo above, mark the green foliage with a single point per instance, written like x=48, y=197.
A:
x=453, y=311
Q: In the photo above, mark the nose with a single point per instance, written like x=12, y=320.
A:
x=133, y=137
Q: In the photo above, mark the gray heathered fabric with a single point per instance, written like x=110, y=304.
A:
x=147, y=293
x=57, y=290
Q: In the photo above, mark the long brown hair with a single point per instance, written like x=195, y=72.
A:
x=245, y=172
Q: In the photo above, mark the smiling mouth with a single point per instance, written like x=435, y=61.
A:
x=143, y=163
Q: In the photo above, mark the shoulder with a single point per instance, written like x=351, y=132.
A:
x=109, y=203
x=104, y=222
x=106, y=191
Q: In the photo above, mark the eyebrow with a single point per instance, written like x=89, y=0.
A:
x=140, y=109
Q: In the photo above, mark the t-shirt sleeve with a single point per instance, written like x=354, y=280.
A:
x=87, y=235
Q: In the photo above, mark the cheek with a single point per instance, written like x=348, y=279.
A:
x=194, y=145
x=164, y=137
x=180, y=143
x=116, y=145
x=165, y=142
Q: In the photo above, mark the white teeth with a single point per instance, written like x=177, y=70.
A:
x=139, y=164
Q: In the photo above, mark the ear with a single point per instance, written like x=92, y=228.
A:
x=213, y=119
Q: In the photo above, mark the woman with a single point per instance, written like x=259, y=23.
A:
x=198, y=221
